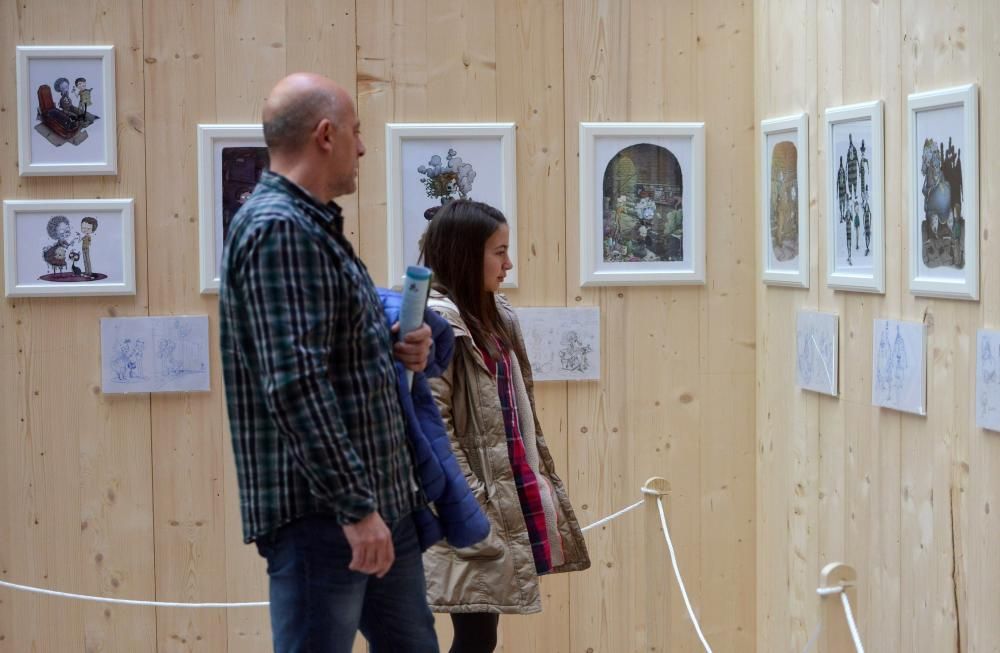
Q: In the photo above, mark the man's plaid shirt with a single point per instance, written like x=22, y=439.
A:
x=307, y=358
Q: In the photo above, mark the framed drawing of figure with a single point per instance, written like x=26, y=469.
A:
x=785, y=201
x=642, y=203
x=944, y=193
x=231, y=159
x=68, y=247
x=432, y=164
x=66, y=121
x=855, y=224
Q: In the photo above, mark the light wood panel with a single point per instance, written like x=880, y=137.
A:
x=142, y=502
x=901, y=498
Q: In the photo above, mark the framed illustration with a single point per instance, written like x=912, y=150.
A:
x=988, y=379
x=816, y=351
x=642, y=203
x=66, y=121
x=68, y=247
x=944, y=193
x=154, y=354
x=899, y=366
x=564, y=344
x=431, y=164
x=784, y=213
x=231, y=158
x=855, y=205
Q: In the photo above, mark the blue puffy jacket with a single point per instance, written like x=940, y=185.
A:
x=456, y=516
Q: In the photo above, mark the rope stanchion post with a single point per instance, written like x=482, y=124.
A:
x=659, y=582
x=836, y=579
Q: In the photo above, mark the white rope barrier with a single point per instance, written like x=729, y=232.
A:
x=812, y=638
x=677, y=573
x=155, y=604
x=848, y=614
x=850, y=622
x=249, y=604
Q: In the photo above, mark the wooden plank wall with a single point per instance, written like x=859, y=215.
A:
x=135, y=497
x=909, y=501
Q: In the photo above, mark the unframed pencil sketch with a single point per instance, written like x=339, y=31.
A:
x=816, y=352
x=899, y=374
x=154, y=354
x=564, y=344
x=988, y=380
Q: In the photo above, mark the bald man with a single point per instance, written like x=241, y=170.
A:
x=327, y=484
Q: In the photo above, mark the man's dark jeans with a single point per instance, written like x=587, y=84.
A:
x=318, y=604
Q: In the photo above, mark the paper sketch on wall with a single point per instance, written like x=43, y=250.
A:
x=816, y=352
x=899, y=374
x=564, y=344
x=155, y=354
x=988, y=379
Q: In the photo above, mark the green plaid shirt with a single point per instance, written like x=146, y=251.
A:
x=310, y=377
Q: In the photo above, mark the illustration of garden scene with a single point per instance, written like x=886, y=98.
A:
x=643, y=216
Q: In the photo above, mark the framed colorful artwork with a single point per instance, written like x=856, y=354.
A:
x=231, y=159
x=855, y=223
x=944, y=193
x=66, y=121
x=642, y=203
x=432, y=164
x=68, y=247
x=785, y=201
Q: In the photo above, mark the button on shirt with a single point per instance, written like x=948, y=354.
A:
x=309, y=372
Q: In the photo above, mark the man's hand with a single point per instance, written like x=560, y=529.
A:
x=414, y=348
x=371, y=546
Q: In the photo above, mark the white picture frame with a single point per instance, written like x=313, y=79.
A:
x=654, y=234
x=66, y=248
x=473, y=160
x=231, y=159
x=861, y=201
x=942, y=265
x=66, y=118
x=784, y=210
x=899, y=366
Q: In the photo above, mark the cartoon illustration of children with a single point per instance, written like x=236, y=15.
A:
x=87, y=228
x=83, y=95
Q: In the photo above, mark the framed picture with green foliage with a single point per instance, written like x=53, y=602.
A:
x=642, y=203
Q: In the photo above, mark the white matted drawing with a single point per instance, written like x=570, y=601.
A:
x=855, y=253
x=944, y=193
x=430, y=164
x=68, y=247
x=816, y=351
x=66, y=110
x=785, y=200
x=155, y=354
x=642, y=203
x=564, y=344
x=231, y=159
x=988, y=379
x=899, y=370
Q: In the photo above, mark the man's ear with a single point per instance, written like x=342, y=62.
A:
x=324, y=134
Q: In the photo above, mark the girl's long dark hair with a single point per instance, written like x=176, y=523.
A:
x=453, y=247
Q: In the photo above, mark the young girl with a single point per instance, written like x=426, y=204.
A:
x=487, y=403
